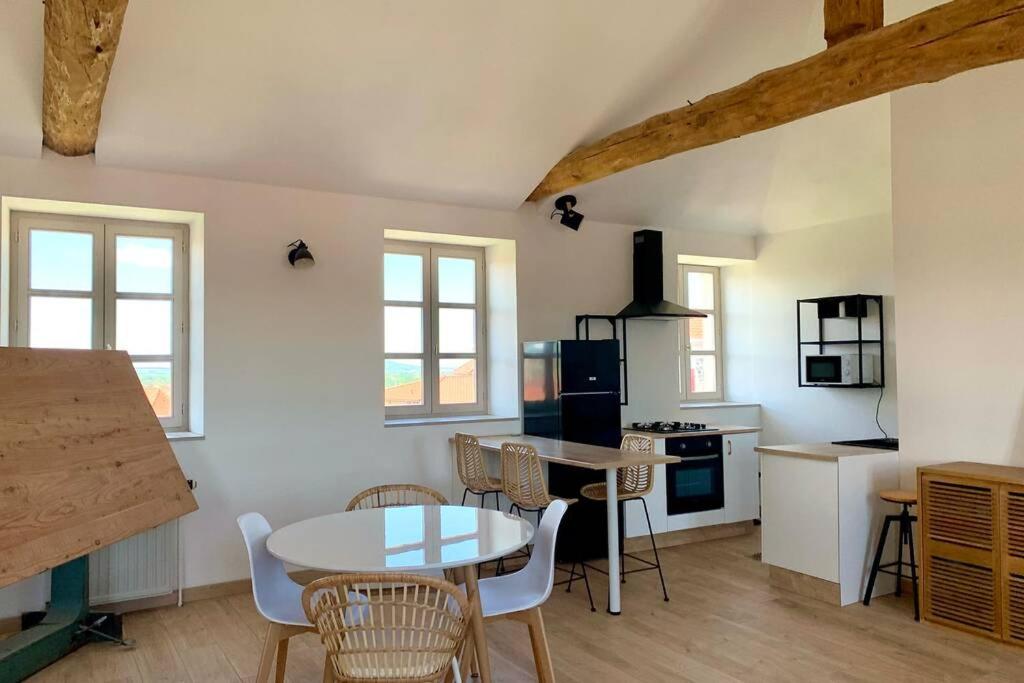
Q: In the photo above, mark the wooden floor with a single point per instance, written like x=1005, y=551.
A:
x=724, y=623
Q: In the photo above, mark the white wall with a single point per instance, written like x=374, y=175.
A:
x=759, y=300
x=958, y=214
x=294, y=416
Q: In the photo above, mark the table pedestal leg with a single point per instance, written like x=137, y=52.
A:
x=483, y=658
x=612, y=484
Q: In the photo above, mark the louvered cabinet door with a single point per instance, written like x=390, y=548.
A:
x=960, y=554
x=1012, y=540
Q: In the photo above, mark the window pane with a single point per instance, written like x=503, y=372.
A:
x=143, y=327
x=403, y=277
x=145, y=264
x=403, y=329
x=156, y=382
x=700, y=291
x=702, y=333
x=456, y=280
x=702, y=374
x=403, y=382
x=60, y=260
x=60, y=323
x=457, y=380
x=456, y=330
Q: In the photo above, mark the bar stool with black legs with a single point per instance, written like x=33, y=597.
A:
x=905, y=522
x=633, y=483
x=522, y=480
x=473, y=472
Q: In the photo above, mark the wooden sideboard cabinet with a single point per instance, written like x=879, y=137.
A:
x=972, y=537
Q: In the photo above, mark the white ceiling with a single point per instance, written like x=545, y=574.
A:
x=464, y=102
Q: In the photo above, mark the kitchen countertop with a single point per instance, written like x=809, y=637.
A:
x=713, y=431
x=577, y=454
x=821, y=451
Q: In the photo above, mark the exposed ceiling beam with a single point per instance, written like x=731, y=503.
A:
x=80, y=41
x=927, y=47
x=847, y=18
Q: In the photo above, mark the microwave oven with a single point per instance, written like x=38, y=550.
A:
x=839, y=368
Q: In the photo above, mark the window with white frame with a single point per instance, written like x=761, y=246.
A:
x=88, y=283
x=434, y=316
x=700, y=339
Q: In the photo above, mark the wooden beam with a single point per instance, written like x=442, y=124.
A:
x=80, y=41
x=928, y=47
x=847, y=18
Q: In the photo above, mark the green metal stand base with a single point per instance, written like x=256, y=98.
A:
x=66, y=625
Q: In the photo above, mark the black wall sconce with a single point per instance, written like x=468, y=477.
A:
x=300, y=252
x=563, y=207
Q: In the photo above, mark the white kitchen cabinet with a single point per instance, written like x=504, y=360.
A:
x=821, y=516
x=742, y=472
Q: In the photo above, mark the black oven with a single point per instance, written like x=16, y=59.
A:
x=697, y=482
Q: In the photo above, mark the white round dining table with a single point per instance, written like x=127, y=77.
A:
x=410, y=538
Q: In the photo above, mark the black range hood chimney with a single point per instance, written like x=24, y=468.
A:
x=648, y=283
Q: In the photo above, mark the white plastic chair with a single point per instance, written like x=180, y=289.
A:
x=278, y=598
x=519, y=596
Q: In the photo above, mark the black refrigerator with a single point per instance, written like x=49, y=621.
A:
x=571, y=393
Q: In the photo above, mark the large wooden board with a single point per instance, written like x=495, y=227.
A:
x=83, y=460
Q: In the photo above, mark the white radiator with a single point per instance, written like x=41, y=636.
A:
x=142, y=566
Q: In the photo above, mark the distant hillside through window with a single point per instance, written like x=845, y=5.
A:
x=403, y=383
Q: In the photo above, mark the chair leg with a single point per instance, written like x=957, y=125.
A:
x=878, y=559
x=654, y=547
x=586, y=582
x=913, y=570
x=328, y=672
x=539, y=641
x=465, y=492
x=622, y=562
x=273, y=637
x=899, y=556
x=572, y=577
x=282, y=660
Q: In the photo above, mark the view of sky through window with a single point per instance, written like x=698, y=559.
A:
x=62, y=260
x=403, y=327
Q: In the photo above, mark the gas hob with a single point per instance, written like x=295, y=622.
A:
x=659, y=427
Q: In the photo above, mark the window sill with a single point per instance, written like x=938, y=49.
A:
x=450, y=419
x=184, y=436
x=717, y=404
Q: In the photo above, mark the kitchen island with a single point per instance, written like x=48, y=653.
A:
x=821, y=516
x=589, y=457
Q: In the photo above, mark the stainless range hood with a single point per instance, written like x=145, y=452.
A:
x=648, y=282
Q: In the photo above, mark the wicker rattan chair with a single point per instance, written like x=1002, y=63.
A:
x=633, y=483
x=394, y=495
x=522, y=482
x=522, y=478
x=387, y=628
x=473, y=471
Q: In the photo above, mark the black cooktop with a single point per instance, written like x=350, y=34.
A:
x=658, y=427
x=889, y=444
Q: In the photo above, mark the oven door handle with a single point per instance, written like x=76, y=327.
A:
x=699, y=458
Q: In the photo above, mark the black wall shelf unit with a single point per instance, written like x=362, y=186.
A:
x=853, y=307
